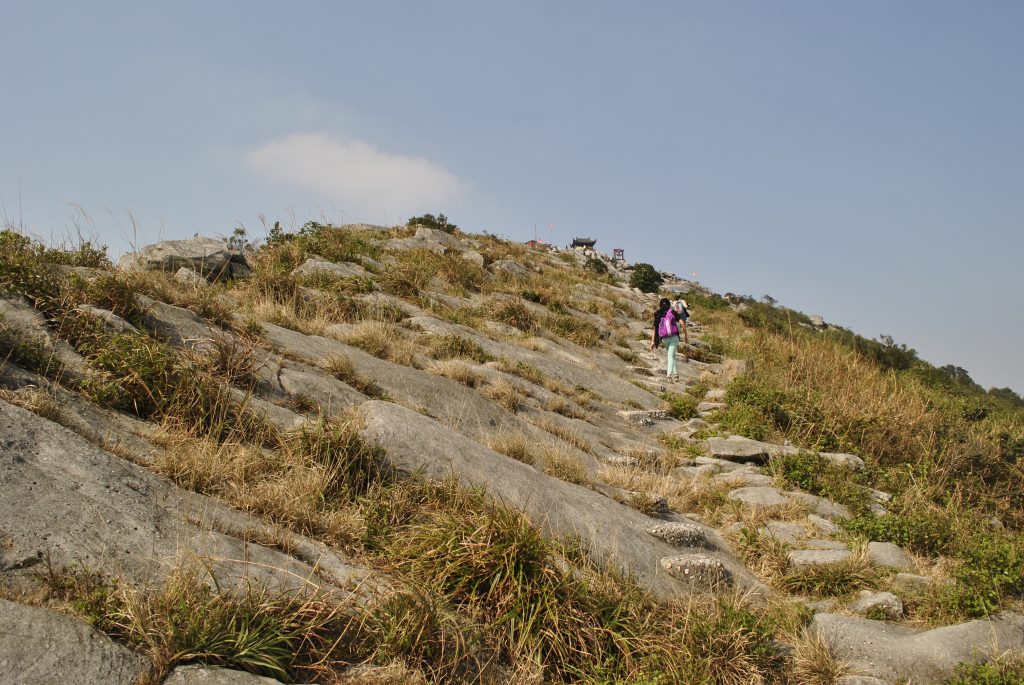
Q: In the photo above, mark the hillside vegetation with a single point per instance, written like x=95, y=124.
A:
x=463, y=450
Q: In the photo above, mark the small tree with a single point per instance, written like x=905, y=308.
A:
x=440, y=222
x=646, y=278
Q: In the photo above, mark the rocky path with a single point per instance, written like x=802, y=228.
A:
x=865, y=632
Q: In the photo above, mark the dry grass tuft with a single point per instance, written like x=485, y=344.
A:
x=699, y=496
x=560, y=405
x=814, y=662
x=562, y=464
x=383, y=340
x=571, y=436
x=512, y=444
x=35, y=400
x=505, y=394
x=342, y=368
x=457, y=371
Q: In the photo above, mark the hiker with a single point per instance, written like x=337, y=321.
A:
x=684, y=314
x=666, y=330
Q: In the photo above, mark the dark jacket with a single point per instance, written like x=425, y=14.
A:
x=658, y=315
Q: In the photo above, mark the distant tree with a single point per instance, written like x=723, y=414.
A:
x=646, y=278
x=440, y=222
x=239, y=241
x=769, y=300
x=1008, y=395
x=957, y=375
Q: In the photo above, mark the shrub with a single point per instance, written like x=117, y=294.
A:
x=439, y=222
x=681, y=407
x=1008, y=670
x=991, y=567
x=926, y=532
x=819, y=476
x=596, y=266
x=646, y=278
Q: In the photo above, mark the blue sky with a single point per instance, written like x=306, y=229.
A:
x=861, y=160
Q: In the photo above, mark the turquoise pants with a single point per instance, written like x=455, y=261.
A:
x=671, y=343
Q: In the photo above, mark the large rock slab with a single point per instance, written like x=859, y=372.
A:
x=428, y=239
x=111, y=429
x=586, y=368
x=200, y=674
x=804, y=559
x=449, y=401
x=67, y=500
x=738, y=448
x=884, y=602
x=894, y=652
x=888, y=555
x=612, y=533
x=314, y=266
x=43, y=647
x=759, y=496
x=210, y=257
x=21, y=321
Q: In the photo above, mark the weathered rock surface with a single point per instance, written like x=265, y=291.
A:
x=43, y=647
x=884, y=602
x=101, y=426
x=860, y=680
x=888, y=555
x=428, y=239
x=737, y=448
x=807, y=558
x=28, y=326
x=573, y=368
x=322, y=267
x=78, y=505
x=509, y=268
x=894, y=652
x=187, y=276
x=699, y=570
x=783, y=531
x=759, y=497
x=112, y=322
x=198, y=674
x=743, y=478
x=207, y=256
x=911, y=582
x=823, y=525
x=618, y=535
x=680, y=533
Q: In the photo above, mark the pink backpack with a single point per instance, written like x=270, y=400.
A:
x=668, y=327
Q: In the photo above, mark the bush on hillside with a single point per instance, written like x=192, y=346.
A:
x=439, y=222
x=595, y=265
x=646, y=278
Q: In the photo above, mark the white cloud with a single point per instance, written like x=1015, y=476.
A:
x=355, y=173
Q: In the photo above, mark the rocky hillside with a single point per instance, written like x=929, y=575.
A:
x=369, y=455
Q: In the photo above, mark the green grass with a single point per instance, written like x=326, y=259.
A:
x=819, y=476
x=1007, y=670
x=681, y=407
